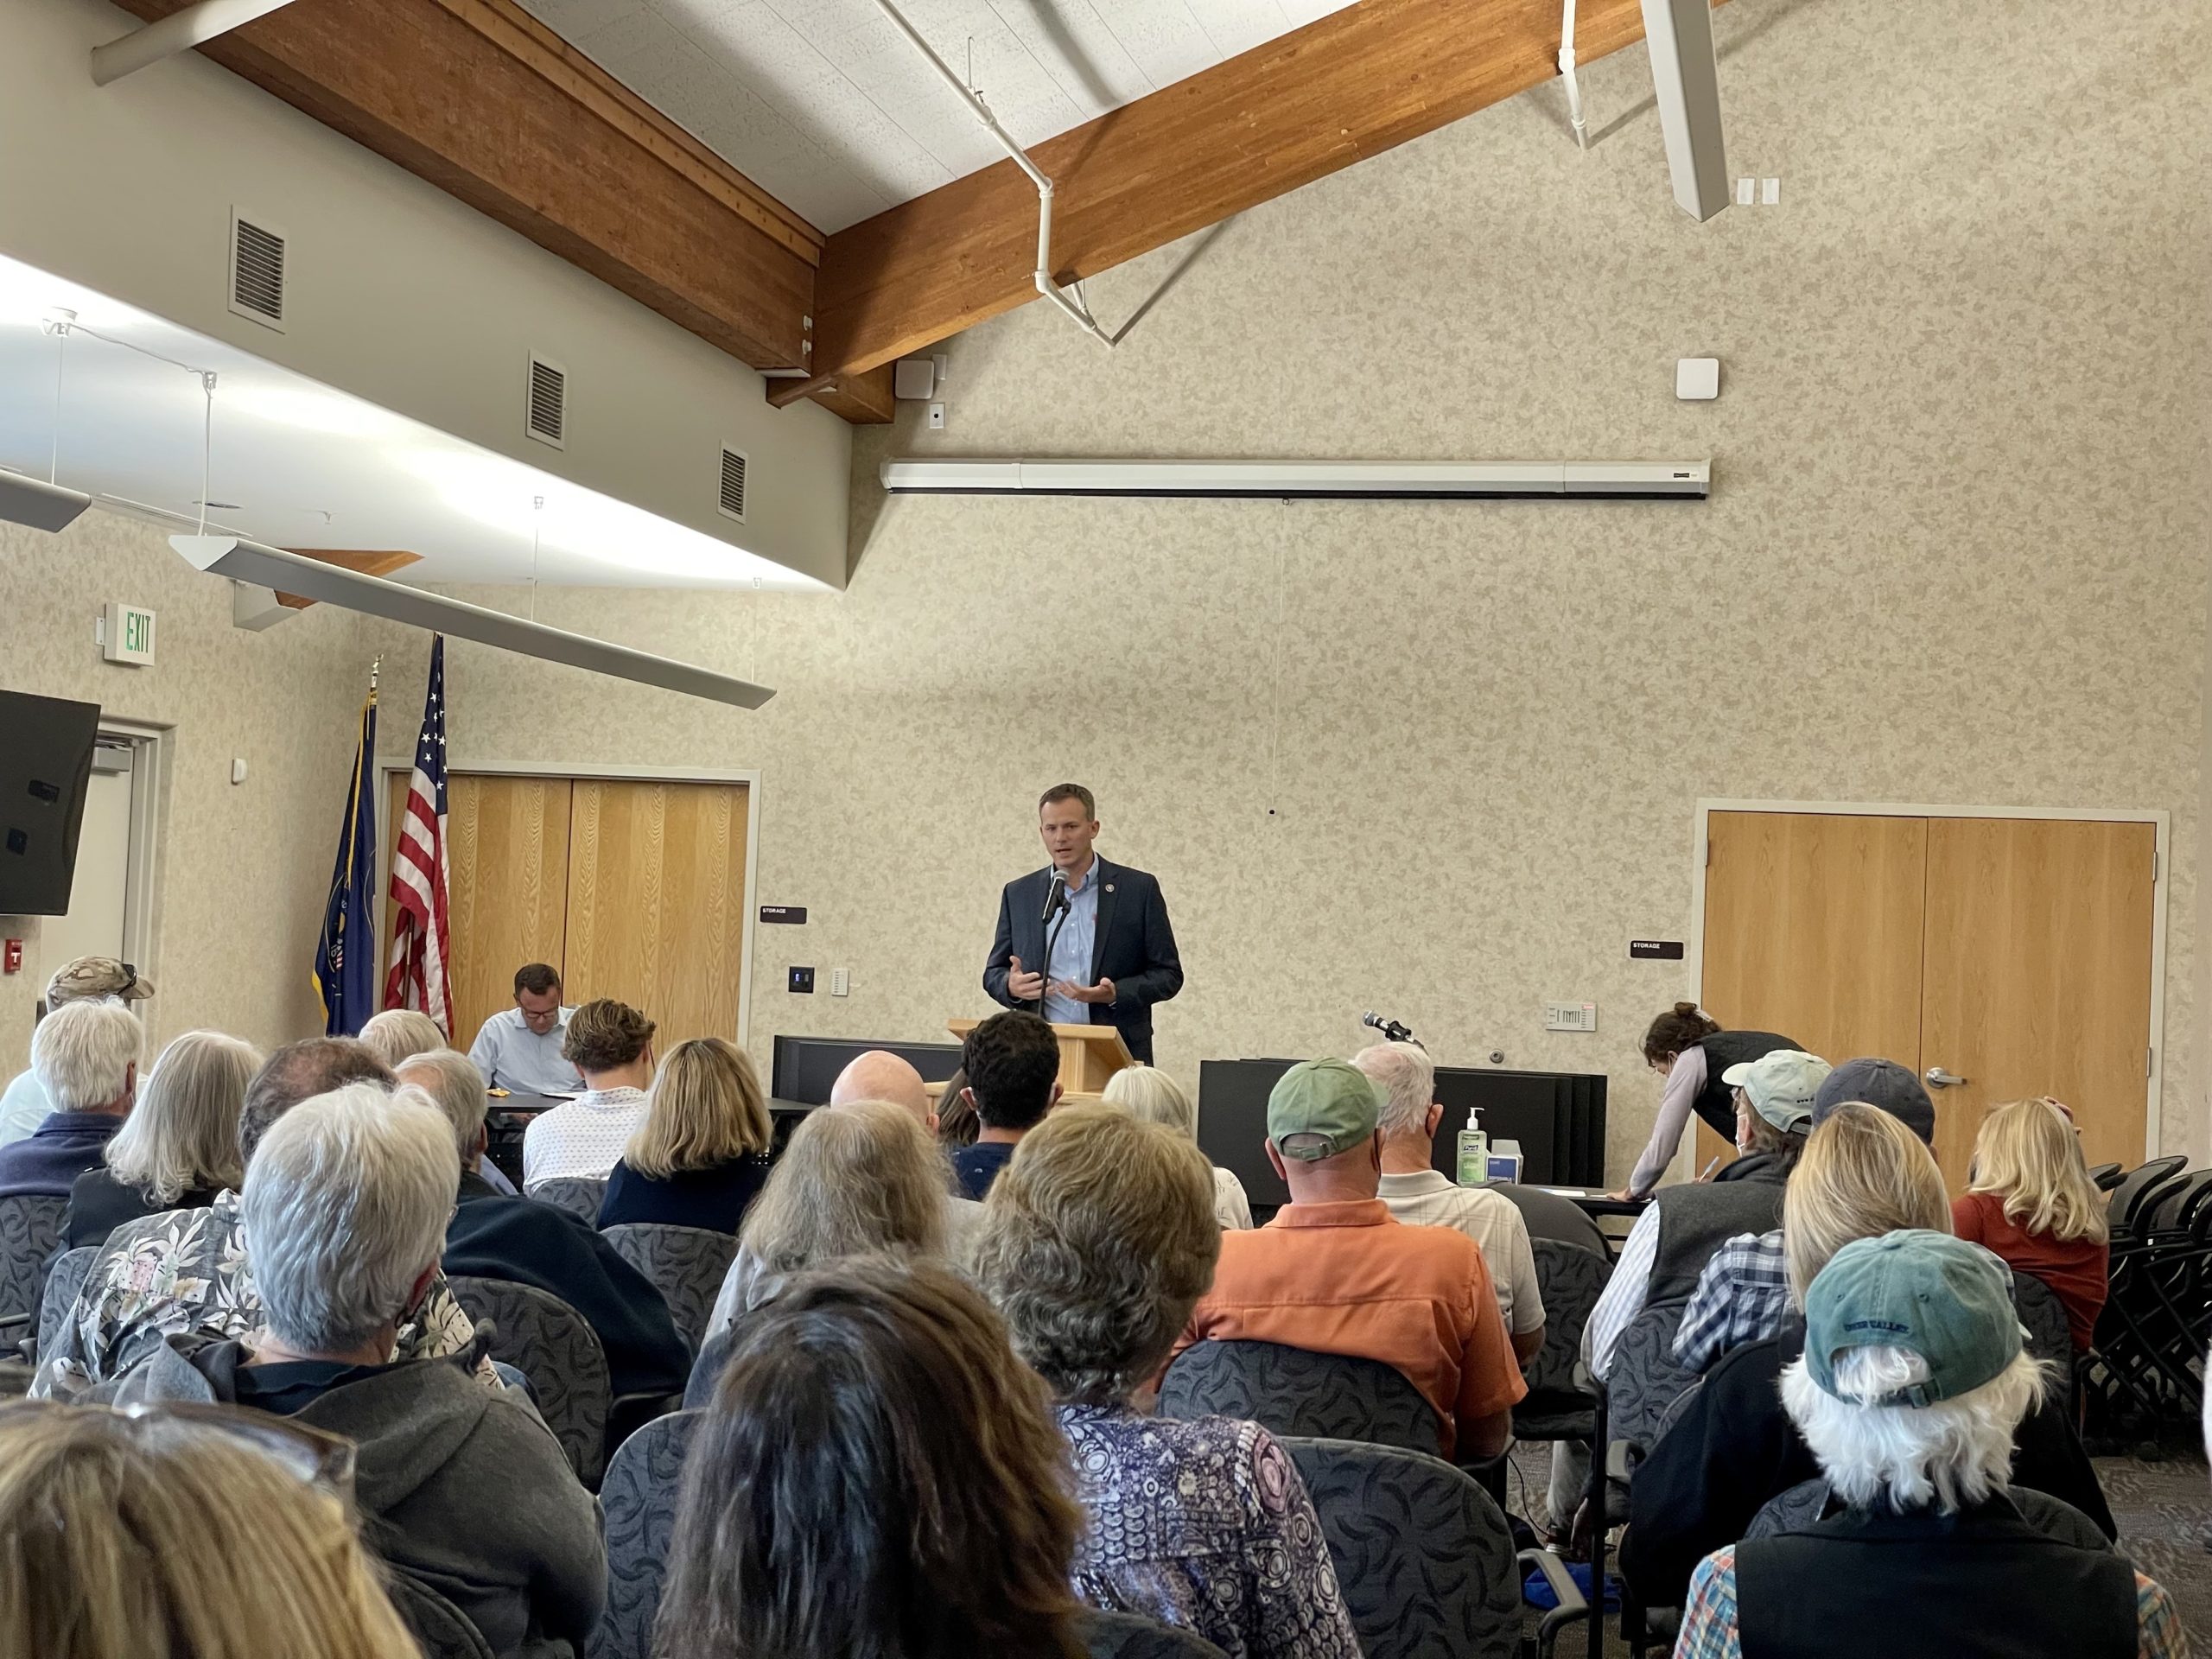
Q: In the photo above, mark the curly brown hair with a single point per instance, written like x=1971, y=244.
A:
x=604, y=1035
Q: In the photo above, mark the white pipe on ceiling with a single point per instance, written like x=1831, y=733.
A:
x=1051, y=291
x=179, y=31
x=1566, y=69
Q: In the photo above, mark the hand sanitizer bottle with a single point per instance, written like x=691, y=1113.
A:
x=1474, y=1152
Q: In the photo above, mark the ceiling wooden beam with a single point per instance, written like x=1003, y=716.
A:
x=1349, y=86
x=482, y=100
x=368, y=563
x=864, y=398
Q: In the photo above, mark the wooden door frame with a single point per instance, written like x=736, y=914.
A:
x=2161, y=821
x=751, y=779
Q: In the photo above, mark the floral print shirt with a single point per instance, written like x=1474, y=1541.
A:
x=186, y=1270
x=1207, y=1526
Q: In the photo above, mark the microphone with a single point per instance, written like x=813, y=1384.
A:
x=1391, y=1030
x=1056, y=895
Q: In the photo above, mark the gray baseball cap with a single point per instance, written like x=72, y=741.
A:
x=1883, y=1084
x=1780, y=1086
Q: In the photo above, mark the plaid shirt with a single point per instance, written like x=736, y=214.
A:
x=1709, y=1629
x=1741, y=1297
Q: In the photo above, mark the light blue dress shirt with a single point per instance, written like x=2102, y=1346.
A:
x=512, y=1055
x=1071, y=950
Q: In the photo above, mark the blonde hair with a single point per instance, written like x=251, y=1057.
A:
x=855, y=1179
x=399, y=1034
x=706, y=1107
x=2028, y=1156
x=1862, y=1174
x=1151, y=1096
x=155, y=1537
x=184, y=1132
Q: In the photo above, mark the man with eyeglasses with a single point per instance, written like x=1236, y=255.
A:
x=24, y=1105
x=519, y=1048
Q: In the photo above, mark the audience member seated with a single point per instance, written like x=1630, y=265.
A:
x=85, y=1058
x=854, y=1180
x=397, y=1034
x=1095, y=1244
x=956, y=1123
x=187, y=1270
x=1151, y=1095
x=1012, y=1062
x=179, y=1148
x=1667, y=1249
x=1911, y=1386
x=2030, y=1198
x=700, y=1157
x=1334, y=1272
x=167, y=1537
x=1744, y=1293
x=612, y=1044
x=1421, y=1195
x=464, y=1490
x=879, y=1075
x=23, y=1104
x=877, y=1475
x=1864, y=1174
x=522, y=1048
x=496, y=1236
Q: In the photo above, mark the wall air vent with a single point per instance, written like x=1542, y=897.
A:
x=547, y=418
x=257, y=272
x=732, y=504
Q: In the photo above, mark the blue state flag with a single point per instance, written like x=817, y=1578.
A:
x=346, y=955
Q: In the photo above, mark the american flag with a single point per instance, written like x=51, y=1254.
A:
x=422, y=951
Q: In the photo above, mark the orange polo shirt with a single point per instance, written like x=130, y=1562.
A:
x=1347, y=1279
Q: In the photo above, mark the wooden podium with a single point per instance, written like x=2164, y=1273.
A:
x=1089, y=1054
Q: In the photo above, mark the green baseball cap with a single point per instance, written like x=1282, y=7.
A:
x=1948, y=1302
x=1331, y=1105
x=1781, y=1086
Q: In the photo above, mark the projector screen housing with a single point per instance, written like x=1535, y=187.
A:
x=1314, y=481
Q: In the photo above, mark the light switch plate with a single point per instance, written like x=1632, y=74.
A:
x=841, y=982
x=801, y=982
x=1570, y=1016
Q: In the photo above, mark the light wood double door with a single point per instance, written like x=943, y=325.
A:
x=2012, y=954
x=633, y=889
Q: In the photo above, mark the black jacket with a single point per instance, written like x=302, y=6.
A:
x=1735, y=1447
x=526, y=1243
x=1134, y=948
x=99, y=1203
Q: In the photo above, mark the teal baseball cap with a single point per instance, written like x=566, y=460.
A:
x=1941, y=1298
x=1325, y=1107
x=1781, y=1086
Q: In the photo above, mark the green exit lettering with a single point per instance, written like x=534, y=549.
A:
x=137, y=631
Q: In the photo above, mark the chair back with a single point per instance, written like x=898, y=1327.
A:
x=553, y=1345
x=1295, y=1391
x=2141, y=1188
x=30, y=1232
x=1571, y=1278
x=1808, y=1501
x=2177, y=1203
x=645, y=1479
x=686, y=1264
x=575, y=1193
x=2043, y=1317
x=443, y=1629
x=60, y=1294
x=1125, y=1636
x=1547, y=1215
x=1645, y=1379
x=1423, y=1554
x=2104, y=1177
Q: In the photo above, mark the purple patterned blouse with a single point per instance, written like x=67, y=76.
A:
x=1205, y=1525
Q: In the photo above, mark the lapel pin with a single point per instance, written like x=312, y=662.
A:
x=1109, y=886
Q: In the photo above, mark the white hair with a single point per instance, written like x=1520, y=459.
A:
x=1947, y=1455
x=1151, y=1096
x=83, y=1052
x=345, y=1206
x=457, y=1090
x=398, y=1034
x=183, y=1130
x=1408, y=1078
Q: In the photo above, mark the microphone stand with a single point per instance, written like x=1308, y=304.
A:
x=1052, y=943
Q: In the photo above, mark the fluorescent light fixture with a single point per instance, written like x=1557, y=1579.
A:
x=1685, y=77
x=1323, y=481
x=35, y=502
x=270, y=567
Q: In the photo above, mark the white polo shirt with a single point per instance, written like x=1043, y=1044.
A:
x=1431, y=1198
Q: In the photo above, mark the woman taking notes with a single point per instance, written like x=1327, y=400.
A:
x=1691, y=1052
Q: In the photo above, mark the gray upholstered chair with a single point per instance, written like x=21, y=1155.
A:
x=644, y=1479
x=1125, y=1636
x=1422, y=1554
x=576, y=1194
x=60, y=1294
x=551, y=1343
x=686, y=1264
x=1644, y=1378
x=1808, y=1502
x=443, y=1630
x=30, y=1232
x=1292, y=1391
x=1562, y=1405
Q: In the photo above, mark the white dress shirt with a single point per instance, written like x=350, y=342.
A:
x=1623, y=1296
x=1429, y=1198
x=512, y=1055
x=582, y=1139
x=23, y=1106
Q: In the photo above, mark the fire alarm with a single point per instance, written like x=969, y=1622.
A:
x=11, y=957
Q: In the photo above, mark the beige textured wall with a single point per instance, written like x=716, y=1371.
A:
x=1442, y=761
x=244, y=869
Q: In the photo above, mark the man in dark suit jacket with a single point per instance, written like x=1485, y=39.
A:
x=1114, y=955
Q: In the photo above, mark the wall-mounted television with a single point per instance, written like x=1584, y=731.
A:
x=45, y=762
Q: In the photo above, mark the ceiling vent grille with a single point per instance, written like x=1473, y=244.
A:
x=548, y=417
x=732, y=504
x=257, y=272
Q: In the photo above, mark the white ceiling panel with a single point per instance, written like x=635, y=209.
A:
x=825, y=105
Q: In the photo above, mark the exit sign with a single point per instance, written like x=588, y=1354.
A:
x=129, y=635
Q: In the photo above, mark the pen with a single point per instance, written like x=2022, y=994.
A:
x=1706, y=1174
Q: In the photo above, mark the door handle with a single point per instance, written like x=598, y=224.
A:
x=1939, y=1078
